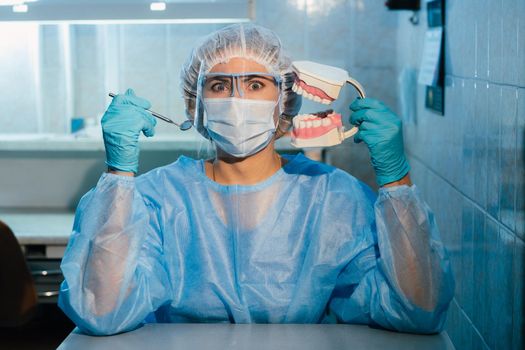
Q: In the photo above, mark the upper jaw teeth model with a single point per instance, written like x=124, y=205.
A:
x=320, y=83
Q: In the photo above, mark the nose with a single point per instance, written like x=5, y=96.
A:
x=236, y=88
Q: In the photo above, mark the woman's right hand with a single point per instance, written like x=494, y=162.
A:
x=124, y=120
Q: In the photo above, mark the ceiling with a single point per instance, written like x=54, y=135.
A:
x=127, y=10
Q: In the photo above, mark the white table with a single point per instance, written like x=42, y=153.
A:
x=257, y=337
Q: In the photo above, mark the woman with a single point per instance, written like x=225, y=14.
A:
x=252, y=236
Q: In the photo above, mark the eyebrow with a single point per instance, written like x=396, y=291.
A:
x=249, y=77
x=219, y=78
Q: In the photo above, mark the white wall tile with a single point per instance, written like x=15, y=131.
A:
x=374, y=35
x=468, y=38
x=288, y=19
x=495, y=41
x=520, y=166
x=453, y=37
x=509, y=42
x=520, y=13
x=508, y=169
x=143, y=47
x=481, y=39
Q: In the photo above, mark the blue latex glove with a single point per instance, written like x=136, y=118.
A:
x=124, y=120
x=381, y=130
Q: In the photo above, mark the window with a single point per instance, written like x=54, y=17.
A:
x=52, y=73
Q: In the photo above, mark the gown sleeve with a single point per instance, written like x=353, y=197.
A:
x=113, y=267
x=400, y=278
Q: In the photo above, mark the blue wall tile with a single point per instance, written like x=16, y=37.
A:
x=492, y=287
x=466, y=330
x=479, y=295
x=480, y=143
x=508, y=156
x=477, y=340
x=518, y=276
x=520, y=164
x=484, y=124
x=453, y=143
x=503, y=299
x=493, y=148
x=468, y=125
x=452, y=326
x=467, y=256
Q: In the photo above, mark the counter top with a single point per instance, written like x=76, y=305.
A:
x=179, y=140
x=257, y=337
x=38, y=227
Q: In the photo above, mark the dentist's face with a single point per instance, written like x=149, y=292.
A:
x=247, y=86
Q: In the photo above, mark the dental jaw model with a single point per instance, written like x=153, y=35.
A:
x=322, y=129
x=320, y=83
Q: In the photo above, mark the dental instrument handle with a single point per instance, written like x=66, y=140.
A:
x=357, y=85
x=361, y=93
x=155, y=114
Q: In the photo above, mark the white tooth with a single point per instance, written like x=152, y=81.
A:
x=294, y=87
x=302, y=124
x=317, y=99
x=310, y=96
x=317, y=123
x=299, y=90
x=309, y=124
x=325, y=101
x=297, y=120
x=326, y=121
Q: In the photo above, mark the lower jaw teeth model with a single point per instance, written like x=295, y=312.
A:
x=320, y=83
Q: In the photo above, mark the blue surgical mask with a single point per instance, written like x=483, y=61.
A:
x=240, y=127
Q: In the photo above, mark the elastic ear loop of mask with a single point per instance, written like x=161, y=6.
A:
x=276, y=126
x=282, y=117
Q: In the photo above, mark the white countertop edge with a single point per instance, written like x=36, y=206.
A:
x=49, y=142
x=58, y=240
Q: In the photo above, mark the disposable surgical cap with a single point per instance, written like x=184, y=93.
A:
x=248, y=41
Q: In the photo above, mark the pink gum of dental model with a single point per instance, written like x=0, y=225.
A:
x=313, y=90
x=306, y=132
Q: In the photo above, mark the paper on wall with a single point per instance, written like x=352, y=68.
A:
x=429, y=69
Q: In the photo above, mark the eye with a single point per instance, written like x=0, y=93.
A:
x=255, y=85
x=219, y=87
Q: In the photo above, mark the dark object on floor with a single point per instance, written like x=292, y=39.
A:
x=47, y=329
x=25, y=324
x=17, y=290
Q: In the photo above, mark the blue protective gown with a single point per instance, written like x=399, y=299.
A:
x=310, y=244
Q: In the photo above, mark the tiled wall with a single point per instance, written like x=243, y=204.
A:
x=355, y=35
x=469, y=164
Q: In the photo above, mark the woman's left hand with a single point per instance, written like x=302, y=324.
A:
x=382, y=131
